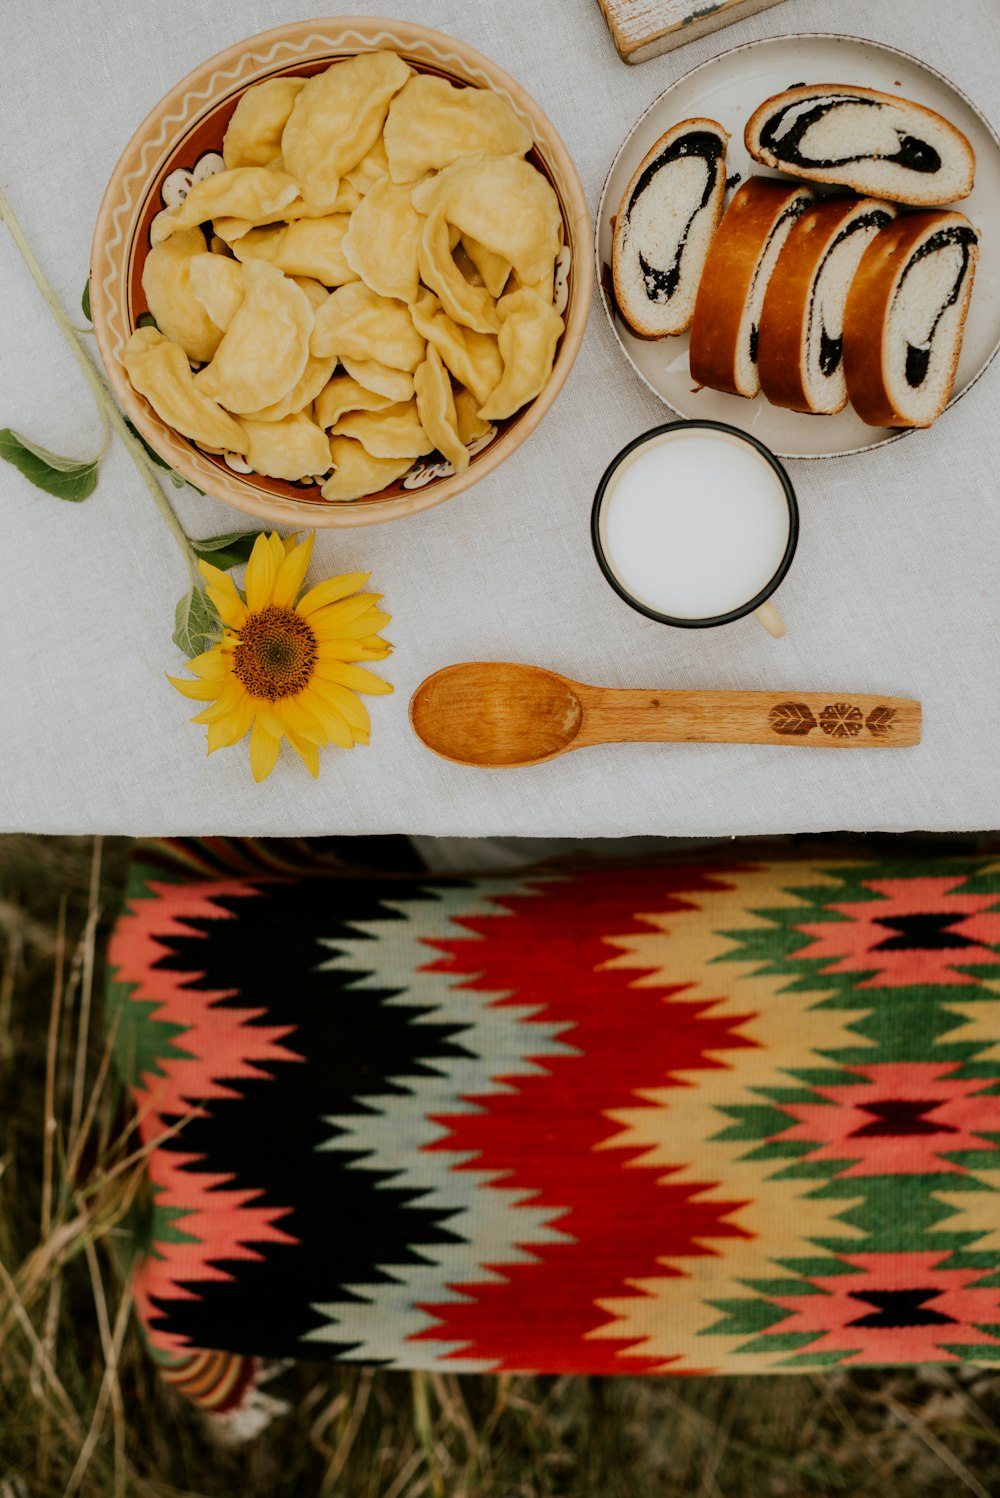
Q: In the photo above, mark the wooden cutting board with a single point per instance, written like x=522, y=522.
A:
x=645, y=28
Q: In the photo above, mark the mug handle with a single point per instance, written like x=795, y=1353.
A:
x=767, y=616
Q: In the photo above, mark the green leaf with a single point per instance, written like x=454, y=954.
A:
x=66, y=478
x=196, y=623
x=85, y=301
x=177, y=479
x=230, y=550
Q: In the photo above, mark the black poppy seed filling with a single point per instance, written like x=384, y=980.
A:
x=794, y=210
x=914, y=155
x=831, y=350
x=660, y=284
x=918, y=359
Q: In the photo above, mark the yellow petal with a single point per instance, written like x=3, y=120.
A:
x=232, y=609
x=300, y=720
x=259, y=580
x=337, y=729
x=343, y=700
x=290, y=542
x=355, y=677
x=307, y=752
x=269, y=721
x=201, y=691
x=291, y=573
x=211, y=665
x=277, y=549
x=231, y=729
x=264, y=748
x=356, y=629
x=229, y=698
x=324, y=621
x=352, y=650
x=330, y=591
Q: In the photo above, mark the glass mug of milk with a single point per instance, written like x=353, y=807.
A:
x=695, y=524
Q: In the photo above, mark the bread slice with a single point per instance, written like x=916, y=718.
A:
x=800, y=344
x=744, y=252
x=905, y=316
x=874, y=143
x=664, y=227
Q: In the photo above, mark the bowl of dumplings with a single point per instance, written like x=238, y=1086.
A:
x=341, y=272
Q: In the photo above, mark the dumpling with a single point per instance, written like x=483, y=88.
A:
x=314, y=290
x=473, y=358
x=217, y=283
x=166, y=280
x=531, y=329
x=251, y=192
x=373, y=167
x=232, y=229
x=342, y=394
x=337, y=118
x=472, y=306
x=471, y=425
x=266, y=346
x=394, y=432
x=159, y=370
x=436, y=408
x=504, y=204
x=394, y=384
x=293, y=448
x=356, y=321
x=494, y=269
x=316, y=375
x=254, y=134
x=308, y=247
x=432, y=122
x=356, y=472
x=382, y=242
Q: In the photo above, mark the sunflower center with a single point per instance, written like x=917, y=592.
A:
x=276, y=653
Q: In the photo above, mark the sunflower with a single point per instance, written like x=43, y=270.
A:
x=285, y=669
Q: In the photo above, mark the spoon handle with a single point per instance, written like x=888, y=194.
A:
x=831, y=720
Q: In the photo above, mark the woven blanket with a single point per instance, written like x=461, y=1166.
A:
x=700, y=1117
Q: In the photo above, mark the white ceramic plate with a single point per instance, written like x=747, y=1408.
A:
x=728, y=88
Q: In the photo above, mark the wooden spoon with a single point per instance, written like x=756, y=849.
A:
x=495, y=714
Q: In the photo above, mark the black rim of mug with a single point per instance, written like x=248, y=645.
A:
x=783, y=566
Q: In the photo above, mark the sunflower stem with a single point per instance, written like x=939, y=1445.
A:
x=107, y=408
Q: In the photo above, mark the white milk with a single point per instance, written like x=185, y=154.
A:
x=694, y=523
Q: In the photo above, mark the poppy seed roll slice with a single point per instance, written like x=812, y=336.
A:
x=905, y=317
x=741, y=260
x=800, y=344
x=871, y=142
x=664, y=227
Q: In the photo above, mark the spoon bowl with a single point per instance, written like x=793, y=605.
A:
x=494, y=714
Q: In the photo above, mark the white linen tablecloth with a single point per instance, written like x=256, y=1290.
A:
x=894, y=588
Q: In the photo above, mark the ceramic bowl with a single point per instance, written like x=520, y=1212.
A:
x=180, y=141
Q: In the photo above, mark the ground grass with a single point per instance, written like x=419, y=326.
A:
x=83, y=1412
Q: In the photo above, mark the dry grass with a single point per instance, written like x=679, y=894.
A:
x=82, y=1411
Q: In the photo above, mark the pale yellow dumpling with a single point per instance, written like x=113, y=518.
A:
x=337, y=118
x=159, y=370
x=373, y=167
x=472, y=306
x=471, y=425
x=494, y=269
x=394, y=384
x=473, y=358
x=432, y=122
x=314, y=290
x=232, y=229
x=308, y=247
x=315, y=376
x=253, y=137
x=436, y=409
x=217, y=283
x=293, y=448
x=394, y=432
x=166, y=280
x=342, y=394
x=265, y=349
x=356, y=472
x=504, y=204
x=355, y=321
x=250, y=192
x=382, y=243
x=531, y=329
